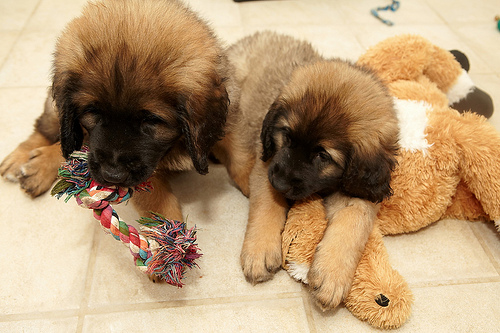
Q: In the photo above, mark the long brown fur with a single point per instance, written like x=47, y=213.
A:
x=299, y=99
x=124, y=57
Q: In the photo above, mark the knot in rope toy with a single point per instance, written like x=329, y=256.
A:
x=165, y=247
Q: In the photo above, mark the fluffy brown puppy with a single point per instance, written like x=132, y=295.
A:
x=328, y=127
x=143, y=82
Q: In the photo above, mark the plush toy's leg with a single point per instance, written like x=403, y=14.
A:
x=261, y=251
x=160, y=200
x=479, y=162
x=465, y=206
x=379, y=294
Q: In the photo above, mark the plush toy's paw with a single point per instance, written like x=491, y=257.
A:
x=260, y=258
x=329, y=279
x=35, y=169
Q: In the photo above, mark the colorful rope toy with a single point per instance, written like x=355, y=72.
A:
x=165, y=247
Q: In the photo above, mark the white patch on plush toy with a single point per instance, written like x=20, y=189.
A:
x=497, y=224
x=412, y=118
x=461, y=88
x=298, y=271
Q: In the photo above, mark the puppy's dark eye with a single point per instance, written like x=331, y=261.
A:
x=90, y=117
x=320, y=155
x=150, y=122
x=286, y=139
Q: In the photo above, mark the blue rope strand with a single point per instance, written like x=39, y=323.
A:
x=392, y=7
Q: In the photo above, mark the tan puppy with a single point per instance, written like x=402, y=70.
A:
x=328, y=127
x=143, y=82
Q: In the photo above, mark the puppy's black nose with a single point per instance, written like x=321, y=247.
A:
x=114, y=175
x=280, y=184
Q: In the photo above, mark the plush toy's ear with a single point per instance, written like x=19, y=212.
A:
x=476, y=100
x=203, y=118
x=71, y=134
x=268, y=128
x=462, y=59
x=368, y=176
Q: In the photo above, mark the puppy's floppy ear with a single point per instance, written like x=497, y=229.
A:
x=71, y=134
x=203, y=118
x=369, y=176
x=268, y=128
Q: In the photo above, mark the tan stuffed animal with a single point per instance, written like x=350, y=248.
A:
x=449, y=167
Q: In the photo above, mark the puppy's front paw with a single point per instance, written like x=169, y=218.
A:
x=260, y=259
x=330, y=279
x=10, y=168
x=40, y=171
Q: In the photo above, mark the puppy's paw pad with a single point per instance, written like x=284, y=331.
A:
x=260, y=262
x=327, y=294
x=10, y=168
x=40, y=171
x=329, y=280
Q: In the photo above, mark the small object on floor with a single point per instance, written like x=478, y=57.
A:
x=164, y=248
x=392, y=7
x=497, y=18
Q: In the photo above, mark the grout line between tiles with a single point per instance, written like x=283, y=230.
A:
x=39, y=315
x=108, y=309
x=21, y=32
x=438, y=14
x=11, y=48
x=486, y=248
x=308, y=308
x=83, y=309
x=443, y=283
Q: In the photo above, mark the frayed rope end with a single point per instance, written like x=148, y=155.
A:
x=176, y=248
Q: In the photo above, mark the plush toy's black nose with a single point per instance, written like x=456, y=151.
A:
x=477, y=101
x=382, y=300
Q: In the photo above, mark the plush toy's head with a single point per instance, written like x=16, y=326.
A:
x=410, y=58
x=477, y=100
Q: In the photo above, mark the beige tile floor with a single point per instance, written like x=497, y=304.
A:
x=60, y=273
